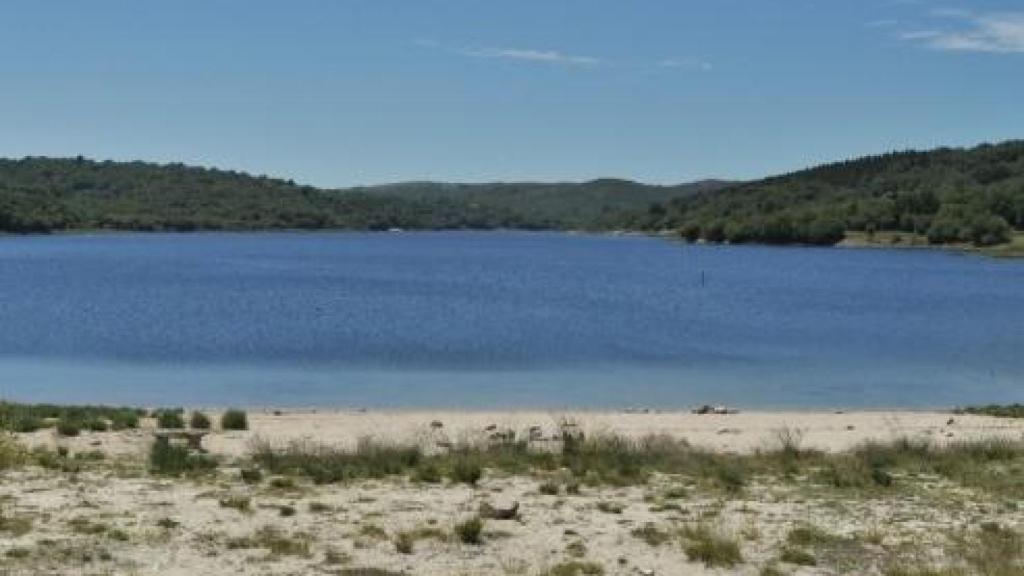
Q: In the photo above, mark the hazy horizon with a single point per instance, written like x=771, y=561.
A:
x=522, y=180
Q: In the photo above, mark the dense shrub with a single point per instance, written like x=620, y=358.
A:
x=68, y=427
x=251, y=475
x=998, y=410
x=234, y=420
x=30, y=417
x=11, y=453
x=199, y=421
x=470, y=531
x=23, y=423
x=170, y=418
x=690, y=232
x=713, y=231
x=124, y=419
x=171, y=460
x=713, y=549
x=467, y=470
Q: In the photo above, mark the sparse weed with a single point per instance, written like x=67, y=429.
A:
x=651, y=534
x=240, y=503
x=575, y=568
x=548, y=489
x=703, y=544
x=469, y=531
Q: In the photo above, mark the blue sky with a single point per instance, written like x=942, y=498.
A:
x=346, y=92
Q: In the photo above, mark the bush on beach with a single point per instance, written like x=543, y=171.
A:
x=167, y=459
x=199, y=421
x=234, y=419
x=25, y=418
x=170, y=418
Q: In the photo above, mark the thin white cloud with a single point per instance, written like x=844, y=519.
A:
x=555, y=57
x=952, y=13
x=685, y=64
x=920, y=35
x=1000, y=33
x=881, y=23
x=532, y=55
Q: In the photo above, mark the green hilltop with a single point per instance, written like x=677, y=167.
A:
x=949, y=196
x=54, y=194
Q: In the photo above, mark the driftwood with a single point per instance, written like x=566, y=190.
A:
x=192, y=438
x=707, y=409
x=492, y=513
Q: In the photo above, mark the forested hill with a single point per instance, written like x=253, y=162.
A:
x=49, y=194
x=952, y=195
x=597, y=204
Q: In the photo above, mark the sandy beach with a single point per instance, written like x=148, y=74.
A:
x=110, y=516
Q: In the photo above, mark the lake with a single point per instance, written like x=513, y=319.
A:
x=501, y=319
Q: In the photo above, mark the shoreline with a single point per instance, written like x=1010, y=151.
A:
x=743, y=432
x=1014, y=249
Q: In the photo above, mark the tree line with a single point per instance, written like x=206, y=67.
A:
x=949, y=195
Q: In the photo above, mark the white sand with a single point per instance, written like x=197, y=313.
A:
x=121, y=496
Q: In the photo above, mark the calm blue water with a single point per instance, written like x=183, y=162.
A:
x=501, y=320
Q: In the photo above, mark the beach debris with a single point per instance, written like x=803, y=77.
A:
x=490, y=427
x=536, y=433
x=729, y=431
x=435, y=424
x=570, y=430
x=708, y=409
x=506, y=436
x=645, y=571
x=850, y=427
x=193, y=439
x=496, y=513
x=443, y=444
x=951, y=421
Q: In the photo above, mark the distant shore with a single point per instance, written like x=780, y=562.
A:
x=854, y=239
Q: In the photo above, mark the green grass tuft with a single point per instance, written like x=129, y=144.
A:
x=470, y=531
x=702, y=544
